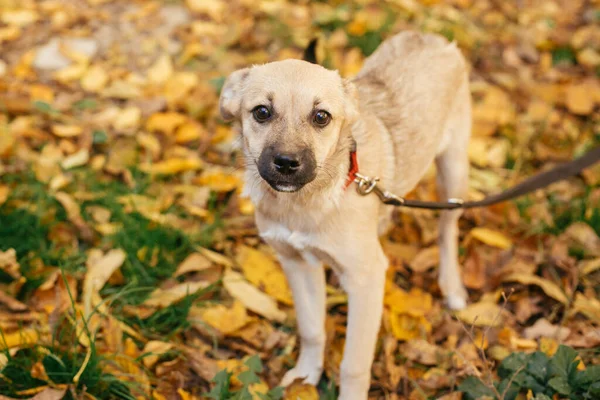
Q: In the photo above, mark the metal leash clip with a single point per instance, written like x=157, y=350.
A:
x=366, y=185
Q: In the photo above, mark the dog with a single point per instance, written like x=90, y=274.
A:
x=300, y=123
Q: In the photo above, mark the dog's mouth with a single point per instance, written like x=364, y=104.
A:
x=287, y=172
x=283, y=186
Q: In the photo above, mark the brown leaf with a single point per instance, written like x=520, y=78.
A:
x=543, y=328
x=425, y=259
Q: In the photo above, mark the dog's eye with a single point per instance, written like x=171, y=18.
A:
x=261, y=113
x=322, y=118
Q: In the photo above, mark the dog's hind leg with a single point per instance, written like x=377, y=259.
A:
x=452, y=181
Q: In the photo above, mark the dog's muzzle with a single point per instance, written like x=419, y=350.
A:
x=287, y=171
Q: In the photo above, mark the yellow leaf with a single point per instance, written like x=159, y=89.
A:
x=163, y=298
x=416, y=303
x=188, y=132
x=21, y=338
x=245, y=206
x=225, y=320
x=579, y=99
x=70, y=205
x=193, y=263
x=153, y=350
x=149, y=142
x=407, y=327
x=550, y=288
x=42, y=93
x=4, y=191
x=172, y=166
x=548, y=346
x=165, y=122
x=588, y=306
x=298, y=390
x=70, y=73
x=585, y=267
x=251, y=297
x=21, y=17
x=9, y=33
x=9, y=264
x=219, y=181
x=94, y=79
x=482, y=314
x=265, y=273
x=491, y=237
x=99, y=270
x=128, y=119
x=180, y=85
x=215, y=257
x=76, y=159
x=66, y=131
x=161, y=71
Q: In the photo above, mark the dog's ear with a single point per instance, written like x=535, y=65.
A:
x=230, y=101
x=351, y=101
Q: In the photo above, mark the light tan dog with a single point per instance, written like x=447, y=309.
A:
x=408, y=106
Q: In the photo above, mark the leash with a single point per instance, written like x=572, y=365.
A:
x=367, y=185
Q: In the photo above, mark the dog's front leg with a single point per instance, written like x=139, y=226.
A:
x=307, y=282
x=363, y=278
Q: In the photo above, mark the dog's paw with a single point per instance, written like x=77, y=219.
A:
x=309, y=375
x=456, y=302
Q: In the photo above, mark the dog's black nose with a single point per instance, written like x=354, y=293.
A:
x=286, y=164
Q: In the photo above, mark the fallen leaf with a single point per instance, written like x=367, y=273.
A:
x=550, y=288
x=9, y=264
x=579, y=99
x=77, y=159
x=50, y=394
x=66, y=131
x=99, y=270
x=423, y=352
x=172, y=166
x=165, y=123
x=298, y=390
x=425, y=259
x=491, y=237
x=153, y=350
x=587, y=267
x=265, y=273
x=21, y=338
x=590, y=307
x=251, y=297
x=226, y=320
x=543, y=328
x=161, y=71
x=163, y=298
x=94, y=79
x=195, y=262
x=128, y=119
x=484, y=313
x=219, y=181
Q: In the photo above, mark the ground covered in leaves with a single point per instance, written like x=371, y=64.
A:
x=131, y=268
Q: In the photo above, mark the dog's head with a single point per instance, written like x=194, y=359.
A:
x=292, y=114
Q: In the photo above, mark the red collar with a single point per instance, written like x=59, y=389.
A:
x=353, y=170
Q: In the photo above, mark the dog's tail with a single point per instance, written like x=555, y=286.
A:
x=310, y=53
